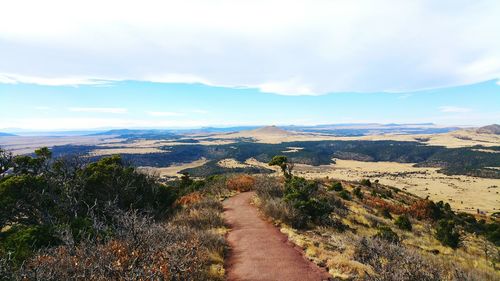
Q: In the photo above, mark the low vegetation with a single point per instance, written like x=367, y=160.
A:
x=472, y=161
x=65, y=219
x=380, y=233
x=78, y=218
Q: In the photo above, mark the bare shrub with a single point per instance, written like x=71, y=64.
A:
x=394, y=262
x=280, y=210
x=267, y=187
x=189, y=199
x=241, y=183
x=138, y=249
x=202, y=215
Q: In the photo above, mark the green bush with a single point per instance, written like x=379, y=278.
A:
x=22, y=241
x=403, y=222
x=447, y=234
x=386, y=233
x=366, y=182
x=344, y=194
x=301, y=194
x=357, y=192
x=386, y=213
x=335, y=186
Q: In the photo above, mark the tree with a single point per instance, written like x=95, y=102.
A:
x=366, y=182
x=5, y=160
x=336, y=186
x=357, y=192
x=447, y=234
x=403, y=222
x=282, y=162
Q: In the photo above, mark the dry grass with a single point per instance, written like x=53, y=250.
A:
x=355, y=255
x=463, y=193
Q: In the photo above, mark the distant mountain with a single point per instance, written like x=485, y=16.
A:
x=490, y=129
x=268, y=130
x=5, y=134
x=147, y=134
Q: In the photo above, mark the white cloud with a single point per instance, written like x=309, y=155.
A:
x=54, y=81
x=164, y=113
x=288, y=47
x=114, y=110
x=454, y=109
x=290, y=88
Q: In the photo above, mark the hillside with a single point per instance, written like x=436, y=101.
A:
x=177, y=231
x=490, y=129
x=5, y=134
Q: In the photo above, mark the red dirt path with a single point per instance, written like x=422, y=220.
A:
x=259, y=251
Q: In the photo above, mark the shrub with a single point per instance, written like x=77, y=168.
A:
x=278, y=209
x=357, y=192
x=335, y=186
x=267, y=187
x=366, y=182
x=189, y=199
x=241, y=183
x=382, y=204
x=386, y=233
x=447, y=234
x=393, y=262
x=403, y=222
x=344, y=194
x=22, y=241
x=386, y=213
x=301, y=194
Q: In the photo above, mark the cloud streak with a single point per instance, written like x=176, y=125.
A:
x=454, y=109
x=113, y=110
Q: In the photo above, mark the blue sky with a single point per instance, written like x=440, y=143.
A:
x=187, y=63
x=135, y=104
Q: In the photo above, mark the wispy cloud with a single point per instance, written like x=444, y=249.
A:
x=164, y=113
x=453, y=109
x=51, y=81
x=114, y=110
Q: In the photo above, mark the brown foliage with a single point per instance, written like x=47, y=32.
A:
x=241, y=183
x=421, y=209
x=189, y=199
x=382, y=204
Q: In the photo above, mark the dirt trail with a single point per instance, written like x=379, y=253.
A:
x=259, y=251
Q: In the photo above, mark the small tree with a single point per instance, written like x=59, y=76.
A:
x=366, y=182
x=447, y=234
x=336, y=186
x=5, y=160
x=282, y=162
x=357, y=192
x=386, y=233
x=403, y=222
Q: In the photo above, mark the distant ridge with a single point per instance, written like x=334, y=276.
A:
x=490, y=129
x=6, y=134
x=269, y=130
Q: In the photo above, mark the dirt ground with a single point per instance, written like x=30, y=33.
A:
x=259, y=251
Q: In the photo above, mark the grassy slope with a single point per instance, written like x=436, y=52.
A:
x=338, y=251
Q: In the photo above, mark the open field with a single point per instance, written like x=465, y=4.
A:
x=23, y=145
x=173, y=170
x=464, y=193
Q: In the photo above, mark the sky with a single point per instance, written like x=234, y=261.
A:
x=72, y=65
